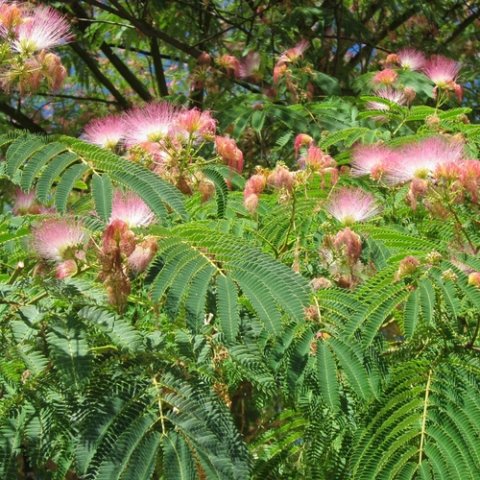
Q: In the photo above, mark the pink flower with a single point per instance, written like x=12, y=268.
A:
x=254, y=185
x=281, y=177
x=316, y=159
x=370, y=160
x=349, y=244
x=58, y=239
x=10, y=17
x=385, y=77
x=195, y=123
x=45, y=29
x=395, y=96
x=441, y=70
x=474, y=279
x=279, y=71
x=150, y=123
x=249, y=65
x=229, y=63
x=293, y=54
x=227, y=149
x=421, y=159
x=105, y=132
x=131, y=210
x=302, y=140
x=66, y=269
x=411, y=58
x=142, y=255
x=349, y=205
x=25, y=203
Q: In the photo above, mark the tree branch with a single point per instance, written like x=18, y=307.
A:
x=146, y=28
x=157, y=63
x=92, y=64
x=21, y=120
x=126, y=73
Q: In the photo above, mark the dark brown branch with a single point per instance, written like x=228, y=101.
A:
x=126, y=73
x=92, y=64
x=159, y=73
x=20, y=119
x=146, y=28
x=75, y=97
x=115, y=60
x=461, y=27
x=392, y=26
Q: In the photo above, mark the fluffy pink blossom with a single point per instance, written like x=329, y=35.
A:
x=130, y=209
x=58, y=239
x=385, y=77
x=441, y=70
x=421, y=159
x=370, y=160
x=142, y=255
x=254, y=185
x=66, y=269
x=25, y=203
x=349, y=205
x=395, y=96
x=411, y=58
x=316, y=159
x=105, y=132
x=293, y=54
x=44, y=29
x=195, y=123
x=150, y=123
x=249, y=65
x=302, y=140
x=230, y=64
x=227, y=149
x=281, y=177
x=10, y=17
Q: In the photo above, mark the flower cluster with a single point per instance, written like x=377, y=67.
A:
x=121, y=251
x=62, y=241
x=442, y=71
x=165, y=139
x=28, y=34
x=435, y=167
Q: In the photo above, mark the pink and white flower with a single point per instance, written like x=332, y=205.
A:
x=195, y=123
x=390, y=94
x=441, y=70
x=151, y=123
x=370, y=160
x=227, y=149
x=130, y=209
x=350, y=205
x=249, y=65
x=411, y=59
x=293, y=54
x=105, y=132
x=142, y=255
x=58, y=239
x=385, y=77
x=25, y=203
x=44, y=29
x=421, y=159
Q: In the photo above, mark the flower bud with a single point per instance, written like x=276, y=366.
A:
x=66, y=269
x=251, y=202
x=281, y=177
x=142, y=255
x=407, y=267
x=319, y=283
x=474, y=279
x=349, y=243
